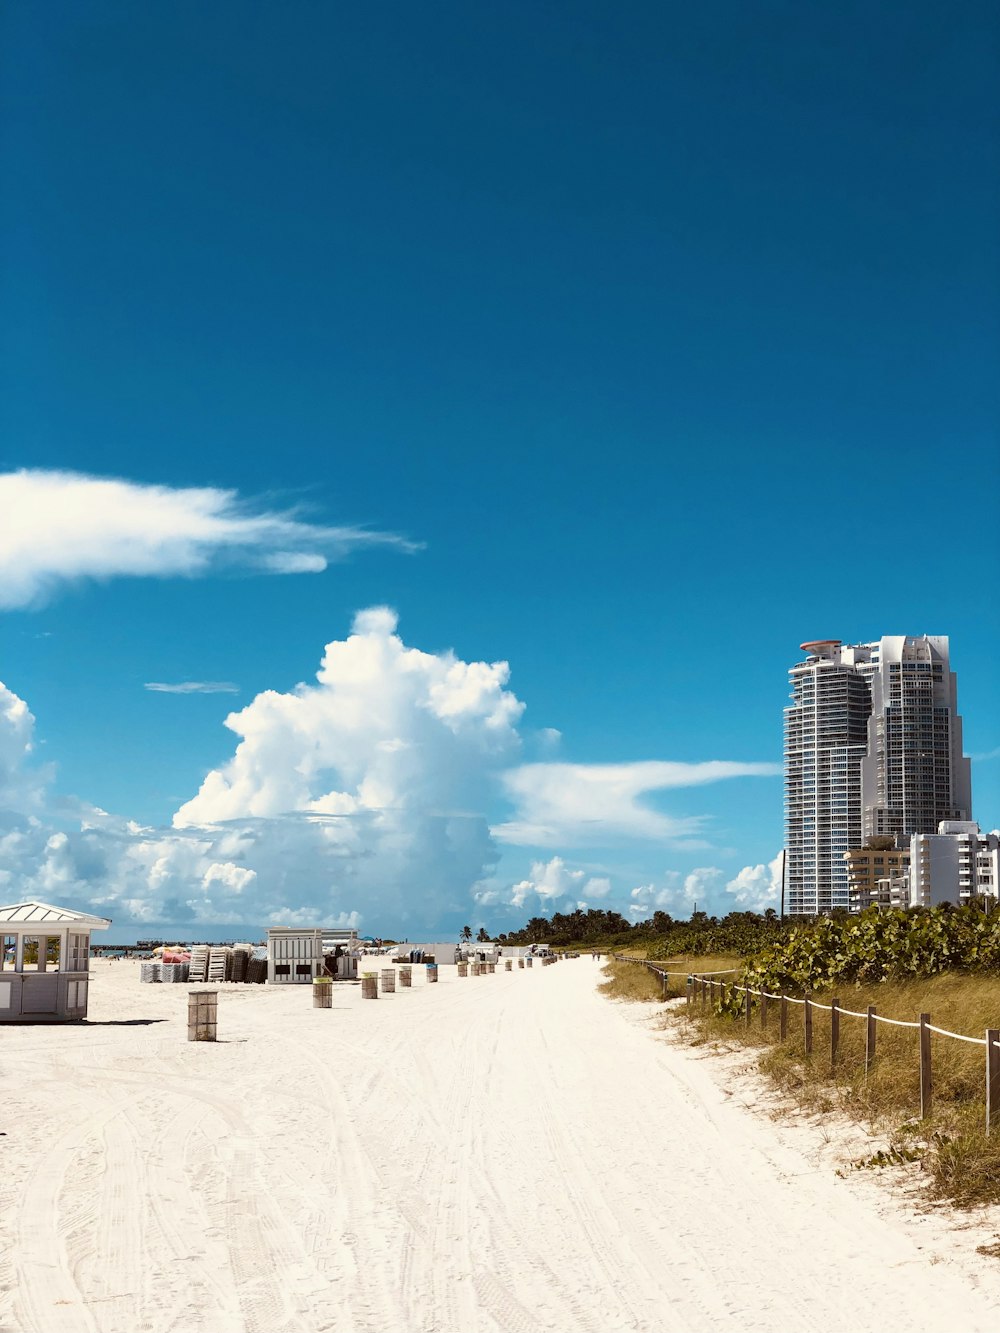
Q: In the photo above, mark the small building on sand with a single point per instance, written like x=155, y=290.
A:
x=45, y=962
x=302, y=953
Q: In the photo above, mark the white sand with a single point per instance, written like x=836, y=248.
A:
x=509, y=1152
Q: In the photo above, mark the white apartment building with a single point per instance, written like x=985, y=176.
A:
x=914, y=774
x=954, y=864
x=826, y=738
x=873, y=747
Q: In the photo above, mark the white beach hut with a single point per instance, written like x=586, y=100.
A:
x=44, y=962
x=294, y=953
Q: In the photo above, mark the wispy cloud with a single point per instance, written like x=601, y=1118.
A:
x=989, y=754
x=560, y=804
x=193, y=687
x=60, y=527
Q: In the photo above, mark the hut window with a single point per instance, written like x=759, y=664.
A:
x=53, y=948
x=33, y=956
x=8, y=952
x=78, y=953
x=281, y=969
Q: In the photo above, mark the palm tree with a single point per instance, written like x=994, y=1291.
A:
x=466, y=933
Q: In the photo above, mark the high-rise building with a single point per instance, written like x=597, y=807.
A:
x=914, y=774
x=826, y=737
x=873, y=748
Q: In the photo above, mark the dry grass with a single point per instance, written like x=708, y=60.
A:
x=679, y=969
x=951, y=1144
x=630, y=981
x=627, y=981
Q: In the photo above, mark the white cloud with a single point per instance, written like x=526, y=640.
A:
x=547, y=882
x=758, y=887
x=360, y=794
x=387, y=731
x=58, y=527
x=21, y=786
x=359, y=797
x=559, y=804
x=294, y=562
x=193, y=687
x=752, y=889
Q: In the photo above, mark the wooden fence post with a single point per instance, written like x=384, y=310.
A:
x=747, y=992
x=663, y=978
x=687, y=994
x=834, y=1030
x=783, y=1017
x=763, y=1010
x=992, y=1079
x=722, y=992
x=704, y=995
x=926, y=1084
x=807, y=1025
x=869, y=1039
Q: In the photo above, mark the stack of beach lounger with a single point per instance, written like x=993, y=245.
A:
x=198, y=967
x=218, y=965
x=212, y=964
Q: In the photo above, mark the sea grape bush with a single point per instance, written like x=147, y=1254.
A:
x=658, y=937
x=878, y=946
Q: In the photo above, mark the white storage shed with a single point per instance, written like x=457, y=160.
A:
x=45, y=962
x=294, y=953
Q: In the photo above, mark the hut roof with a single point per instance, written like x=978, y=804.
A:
x=45, y=914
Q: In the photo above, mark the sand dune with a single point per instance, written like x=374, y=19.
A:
x=511, y=1153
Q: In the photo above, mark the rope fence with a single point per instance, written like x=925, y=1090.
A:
x=707, y=989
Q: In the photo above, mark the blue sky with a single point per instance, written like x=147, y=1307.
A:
x=652, y=339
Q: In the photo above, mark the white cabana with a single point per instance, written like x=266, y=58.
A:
x=44, y=962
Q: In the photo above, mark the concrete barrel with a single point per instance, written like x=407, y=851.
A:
x=474, y=969
x=406, y=976
x=369, y=986
x=520, y=962
x=388, y=981
x=463, y=969
x=202, y=1015
x=322, y=994
x=528, y=961
x=491, y=967
x=507, y=965
x=432, y=972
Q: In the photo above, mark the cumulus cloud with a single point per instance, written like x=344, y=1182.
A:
x=59, y=527
x=758, y=887
x=387, y=730
x=22, y=786
x=558, y=804
x=360, y=798
x=359, y=794
x=193, y=687
x=752, y=889
x=547, y=883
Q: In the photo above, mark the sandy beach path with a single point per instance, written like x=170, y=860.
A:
x=510, y=1153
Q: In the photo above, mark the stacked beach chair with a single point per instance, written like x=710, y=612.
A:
x=218, y=965
x=240, y=962
x=198, y=967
